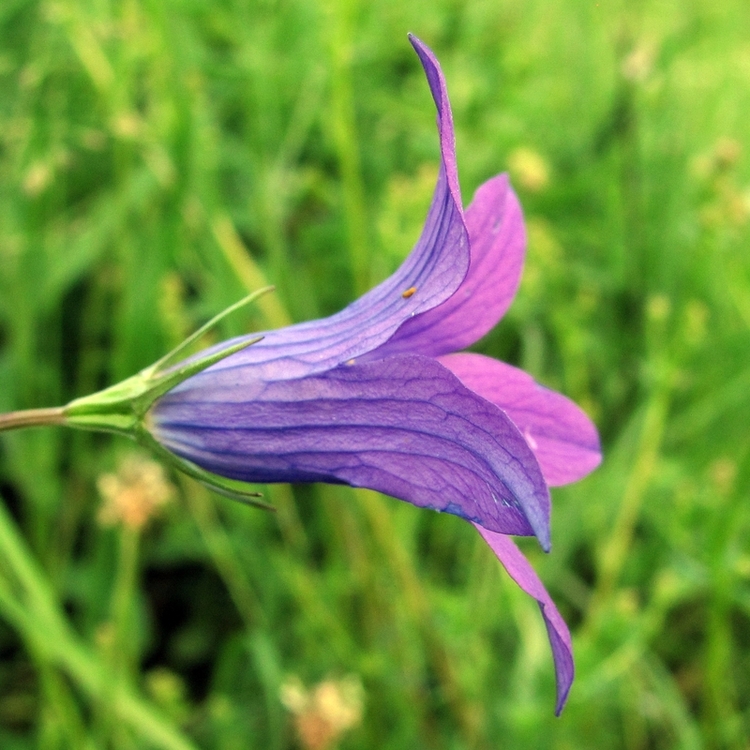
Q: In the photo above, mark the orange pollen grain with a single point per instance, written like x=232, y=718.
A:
x=408, y=292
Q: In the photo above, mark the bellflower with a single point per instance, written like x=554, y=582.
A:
x=374, y=396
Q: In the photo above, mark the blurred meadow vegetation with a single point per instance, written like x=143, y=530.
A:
x=160, y=159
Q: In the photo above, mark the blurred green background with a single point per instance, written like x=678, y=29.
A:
x=161, y=158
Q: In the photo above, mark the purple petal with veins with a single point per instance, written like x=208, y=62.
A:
x=559, y=432
x=404, y=426
x=434, y=270
x=523, y=574
x=497, y=241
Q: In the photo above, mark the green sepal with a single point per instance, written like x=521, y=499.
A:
x=231, y=488
x=178, y=351
x=122, y=408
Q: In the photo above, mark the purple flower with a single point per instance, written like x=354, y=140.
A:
x=374, y=397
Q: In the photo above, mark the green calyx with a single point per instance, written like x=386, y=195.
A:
x=123, y=408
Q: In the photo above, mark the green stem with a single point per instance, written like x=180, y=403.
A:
x=122, y=601
x=615, y=552
x=380, y=518
x=342, y=121
x=32, y=418
x=61, y=720
x=219, y=547
x=25, y=570
x=247, y=271
x=48, y=633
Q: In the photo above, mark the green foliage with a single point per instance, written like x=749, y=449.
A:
x=160, y=160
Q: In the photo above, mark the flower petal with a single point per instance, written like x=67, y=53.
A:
x=561, y=435
x=525, y=576
x=404, y=426
x=497, y=243
x=430, y=274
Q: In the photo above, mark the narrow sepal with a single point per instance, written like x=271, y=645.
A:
x=180, y=349
x=231, y=488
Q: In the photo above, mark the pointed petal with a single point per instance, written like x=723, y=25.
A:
x=520, y=570
x=433, y=270
x=563, y=437
x=404, y=426
x=497, y=243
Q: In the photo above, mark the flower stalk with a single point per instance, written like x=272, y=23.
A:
x=14, y=420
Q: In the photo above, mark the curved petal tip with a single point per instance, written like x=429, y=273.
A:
x=520, y=570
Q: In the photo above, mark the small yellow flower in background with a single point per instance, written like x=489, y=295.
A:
x=727, y=202
x=134, y=494
x=128, y=126
x=658, y=307
x=696, y=319
x=37, y=178
x=529, y=169
x=323, y=713
x=41, y=173
x=723, y=474
x=726, y=154
x=638, y=64
x=169, y=691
